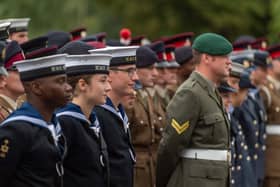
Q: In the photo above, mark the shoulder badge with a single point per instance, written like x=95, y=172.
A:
x=4, y=148
x=180, y=128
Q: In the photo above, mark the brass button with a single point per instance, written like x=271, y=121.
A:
x=240, y=156
x=257, y=133
x=255, y=122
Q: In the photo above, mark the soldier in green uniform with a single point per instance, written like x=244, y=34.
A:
x=194, y=150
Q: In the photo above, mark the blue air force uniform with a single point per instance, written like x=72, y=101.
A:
x=253, y=128
x=243, y=174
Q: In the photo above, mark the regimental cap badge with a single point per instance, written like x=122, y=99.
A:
x=264, y=44
x=246, y=64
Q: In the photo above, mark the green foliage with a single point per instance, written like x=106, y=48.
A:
x=154, y=18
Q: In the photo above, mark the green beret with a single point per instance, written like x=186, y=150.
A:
x=212, y=44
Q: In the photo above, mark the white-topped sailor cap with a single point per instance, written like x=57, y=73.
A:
x=123, y=55
x=41, y=67
x=4, y=27
x=236, y=69
x=87, y=64
x=17, y=24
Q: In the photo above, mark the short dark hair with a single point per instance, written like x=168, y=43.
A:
x=73, y=80
x=196, y=56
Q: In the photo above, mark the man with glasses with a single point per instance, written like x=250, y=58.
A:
x=112, y=117
x=145, y=123
x=10, y=87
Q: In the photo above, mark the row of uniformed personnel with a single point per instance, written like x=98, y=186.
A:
x=192, y=151
x=98, y=146
x=78, y=136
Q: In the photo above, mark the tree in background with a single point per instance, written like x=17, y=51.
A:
x=153, y=18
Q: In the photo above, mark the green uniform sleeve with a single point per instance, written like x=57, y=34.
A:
x=182, y=113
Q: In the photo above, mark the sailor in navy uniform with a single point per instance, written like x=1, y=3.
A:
x=242, y=162
x=86, y=162
x=225, y=91
x=31, y=142
x=112, y=117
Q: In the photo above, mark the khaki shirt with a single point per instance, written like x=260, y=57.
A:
x=271, y=96
x=146, y=125
x=162, y=95
x=7, y=106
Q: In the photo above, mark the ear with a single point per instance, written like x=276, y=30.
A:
x=36, y=88
x=207, y=58
x=110, y=77
x=82, y=85
x=3, y=81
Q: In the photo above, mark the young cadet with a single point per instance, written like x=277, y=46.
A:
x=242, y=173
x=18, y=30
x=32, y=145
x=144, y=120
x=160, y=94
x=86, y=162
x=112, y=117
x=253, y=114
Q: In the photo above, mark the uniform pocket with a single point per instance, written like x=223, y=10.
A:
x=215, y=127
x=209, y=172
x=212, y=119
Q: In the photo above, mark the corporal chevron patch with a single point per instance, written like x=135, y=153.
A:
x=180, y=128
